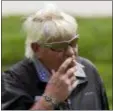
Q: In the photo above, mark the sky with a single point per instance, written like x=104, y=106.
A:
x=81, y=8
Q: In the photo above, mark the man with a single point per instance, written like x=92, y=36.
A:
x=52, y=75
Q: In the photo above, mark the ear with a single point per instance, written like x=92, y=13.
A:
x=35, y=47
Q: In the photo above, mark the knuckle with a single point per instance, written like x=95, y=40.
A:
x=63, y=67
x=73, y=79
x=67, y=61
x=67, y=82
x=70, y=70
x=57, y=74
x=62, y=78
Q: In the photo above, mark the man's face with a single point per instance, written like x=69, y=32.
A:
x=52, y=57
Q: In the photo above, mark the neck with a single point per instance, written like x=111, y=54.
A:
x=48, y=66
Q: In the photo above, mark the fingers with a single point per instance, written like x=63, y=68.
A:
x=65, y=65
x=53, y=71
x=71, y=72
x=72, y=79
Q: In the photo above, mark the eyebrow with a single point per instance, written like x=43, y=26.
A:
x=76, y=37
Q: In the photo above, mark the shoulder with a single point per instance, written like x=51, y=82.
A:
x=22, y=71
x=87, y=63
x=22, y=66
x=91, y=70
x=89, y=67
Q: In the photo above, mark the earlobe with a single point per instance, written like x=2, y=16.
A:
x=35, y=47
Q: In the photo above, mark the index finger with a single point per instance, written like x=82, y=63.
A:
x=65, y=65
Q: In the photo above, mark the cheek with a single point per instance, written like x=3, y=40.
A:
x=54, y=56
x=58, y=56
x=58, y=59
x=76, y=50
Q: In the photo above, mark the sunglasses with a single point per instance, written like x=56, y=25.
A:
x=61, y=46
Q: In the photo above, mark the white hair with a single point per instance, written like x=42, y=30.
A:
x=47, y=25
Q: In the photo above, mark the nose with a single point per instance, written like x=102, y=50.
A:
x=70, y=52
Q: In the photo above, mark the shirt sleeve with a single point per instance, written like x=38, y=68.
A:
x=14, y=96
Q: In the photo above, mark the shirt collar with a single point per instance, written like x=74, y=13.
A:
x=42, y=71
x=44, y=75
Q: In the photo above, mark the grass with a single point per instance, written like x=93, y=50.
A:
x=95, y=44
x=95, y=39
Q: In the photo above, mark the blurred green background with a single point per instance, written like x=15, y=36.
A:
x=95, y=44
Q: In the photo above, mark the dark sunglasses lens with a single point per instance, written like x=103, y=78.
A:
x=74, y=42
x=59, y=47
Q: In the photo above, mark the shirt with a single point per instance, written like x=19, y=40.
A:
x=20, y=84
x=44, y=74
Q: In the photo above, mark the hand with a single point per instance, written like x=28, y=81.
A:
x=60, y=84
